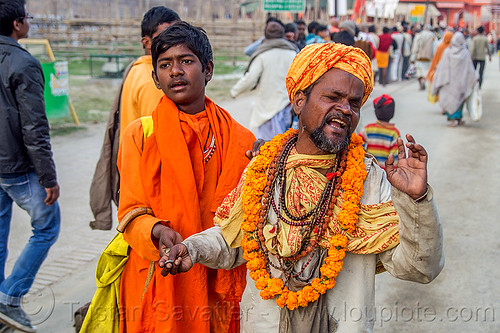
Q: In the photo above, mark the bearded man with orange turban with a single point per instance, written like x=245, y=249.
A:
x=314, y=216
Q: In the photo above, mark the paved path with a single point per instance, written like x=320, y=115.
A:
x=463, y=167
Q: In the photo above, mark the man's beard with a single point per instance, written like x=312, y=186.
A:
x=322, y=142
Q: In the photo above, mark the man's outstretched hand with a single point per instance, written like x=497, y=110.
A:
x=176, y=261
x=410, y=176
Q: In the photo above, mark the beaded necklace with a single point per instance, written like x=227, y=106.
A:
x=209, y=151
x=317, y=224
x=260, y=179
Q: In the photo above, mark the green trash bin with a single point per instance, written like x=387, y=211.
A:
x=56, y=89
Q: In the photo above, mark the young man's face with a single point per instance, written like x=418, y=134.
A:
x=22, y=26
x=324, y=34
x=179, y=74
x=301, y=31
x=330, y=114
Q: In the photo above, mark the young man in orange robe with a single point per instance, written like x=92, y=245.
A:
x=181, y=162
x=136, y=97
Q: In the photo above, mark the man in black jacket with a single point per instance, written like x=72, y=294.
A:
x=27, y=170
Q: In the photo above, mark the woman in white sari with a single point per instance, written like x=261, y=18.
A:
x=454, y=79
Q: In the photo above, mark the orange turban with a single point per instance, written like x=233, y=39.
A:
x=316, y=59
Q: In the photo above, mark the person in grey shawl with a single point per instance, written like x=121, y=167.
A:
x=454, y=79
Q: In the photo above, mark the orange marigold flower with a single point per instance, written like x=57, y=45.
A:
x=256, y=263
x=250, y=245
x=256, y=274
x=281, y=301
x=276, y=285
x=318, y=286
x=266, y=294
x=261, y=283
x=329, y=284
x=335, y=254
x=338, y=240
x=301, y=299
x=292, y=303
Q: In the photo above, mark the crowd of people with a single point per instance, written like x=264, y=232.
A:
x=314, y=209
x=397, y=53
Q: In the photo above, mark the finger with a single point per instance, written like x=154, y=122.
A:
x=169, y=266
x=50, y=199
x=415, y=149
x=419, y=152
x=167, y=238
x=164, y=251
x=401, y=149
x=176, y=266
x=389, y=164
x=249, y=154
x=410, y=138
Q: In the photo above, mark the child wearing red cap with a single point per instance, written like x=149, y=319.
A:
x=380, y=137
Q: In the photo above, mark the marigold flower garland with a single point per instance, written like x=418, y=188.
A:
x=255, y=182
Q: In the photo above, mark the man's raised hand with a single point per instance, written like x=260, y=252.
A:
x=177, y=260
x=410, y=176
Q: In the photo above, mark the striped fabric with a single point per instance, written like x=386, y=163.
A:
x=380, y=141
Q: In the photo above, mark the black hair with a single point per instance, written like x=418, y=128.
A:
x=156, y=16
x=194, y=38
x=311, y=28
x=291, y=27
x=274, y=19
x=321, y=27
x=385, y=30
x=371, y=28
x=343, y=37
x=10, y=11
x=298, y=22
x=480, y=29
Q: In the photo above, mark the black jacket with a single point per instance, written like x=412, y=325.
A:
x=24, y=128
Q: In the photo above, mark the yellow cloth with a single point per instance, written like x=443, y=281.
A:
x=139, y=95
x=316, y=59
x=102, y=315
x=382, y=59
x=376, y=230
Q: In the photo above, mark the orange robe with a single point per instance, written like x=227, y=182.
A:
x=166, y=172
x=139, y=96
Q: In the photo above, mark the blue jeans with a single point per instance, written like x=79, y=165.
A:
x=27, y=193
